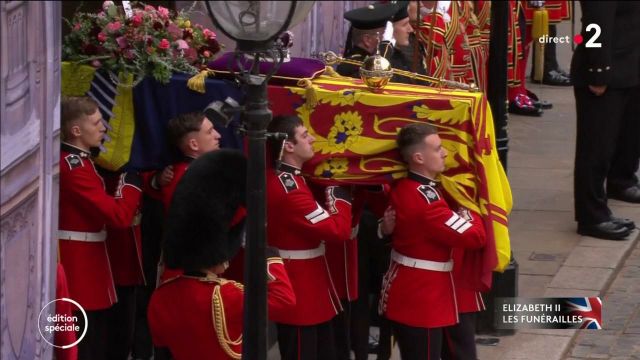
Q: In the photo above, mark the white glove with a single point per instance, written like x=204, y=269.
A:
x=388, y=34
x=536, y=3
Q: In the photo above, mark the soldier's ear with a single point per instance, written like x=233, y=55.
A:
x=192, y=144
x=75, y=131
x=288, y=146
x=418, y=158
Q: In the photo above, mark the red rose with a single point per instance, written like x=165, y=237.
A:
x=102, y=37
x=164, y=44
x=136, y=20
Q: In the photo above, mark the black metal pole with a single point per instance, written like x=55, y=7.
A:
x=256, y=118
x=497, y=85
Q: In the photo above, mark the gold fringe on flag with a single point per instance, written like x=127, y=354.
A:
x=309, y=93
x=196, y=82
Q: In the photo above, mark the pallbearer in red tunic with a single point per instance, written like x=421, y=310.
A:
x=86, y=209
x=124, y=247
x=198, y=314
x=418, y=290
x=298, y=226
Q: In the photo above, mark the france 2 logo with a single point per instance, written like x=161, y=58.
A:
x=591, y=43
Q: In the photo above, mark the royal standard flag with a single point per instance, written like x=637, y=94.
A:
x=356, y=129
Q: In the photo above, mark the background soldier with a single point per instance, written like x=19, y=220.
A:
x=367, y=27
x=606, y=84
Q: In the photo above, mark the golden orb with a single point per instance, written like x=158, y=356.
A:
x=376, y=72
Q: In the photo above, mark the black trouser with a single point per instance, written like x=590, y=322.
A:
x=417, y=343
x=93, y=345
x=459, y=340
x=342, y=331
x=152, y=215
x=606, y=148
x=314, y=342
x=122, y=318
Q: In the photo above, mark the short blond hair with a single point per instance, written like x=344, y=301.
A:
x=73, y=108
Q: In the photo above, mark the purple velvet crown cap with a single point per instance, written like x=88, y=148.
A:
x=296, y=69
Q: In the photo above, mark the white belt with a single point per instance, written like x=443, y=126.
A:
x=82, y=236
x=421, y=264
x=302, y=254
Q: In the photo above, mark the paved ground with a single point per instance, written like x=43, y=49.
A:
x=620, y=337
x=553, y=259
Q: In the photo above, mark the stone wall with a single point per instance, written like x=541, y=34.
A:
x=29, y=154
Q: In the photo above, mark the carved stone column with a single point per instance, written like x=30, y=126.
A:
x=29, y=127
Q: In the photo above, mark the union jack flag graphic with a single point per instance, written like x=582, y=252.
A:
x=589, y=308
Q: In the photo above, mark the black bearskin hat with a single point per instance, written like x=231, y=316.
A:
x=198, y=234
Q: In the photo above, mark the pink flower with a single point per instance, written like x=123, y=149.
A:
x=129, y=54
x=191, y=54
x=208, y=34
x=136, y=20
x=122, y=42
x=96, y=63
x=182, y=45
x=77, y=27
x=102, y=37
x=164, y=44
x=163, y=12
x=114, y=26
x=174, y=31
x=206, y=53
x=149, y=8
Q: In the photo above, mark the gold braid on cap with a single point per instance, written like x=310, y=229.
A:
x=220, y=322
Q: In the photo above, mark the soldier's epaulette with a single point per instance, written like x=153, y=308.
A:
x=288, y=182
x=171, y=279
x=429, y=193
x=74, y=161
x=232, y=282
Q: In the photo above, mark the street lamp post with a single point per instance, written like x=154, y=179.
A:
x=254, y=25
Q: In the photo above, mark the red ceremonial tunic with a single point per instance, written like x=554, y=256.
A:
x=199, y=317
x=85, y=211
x=558, y=10
x=342, y=258
x=296, y=221
x=124, y=245
x=426, y=229
x=62, y=338
x=431, y=35
x=165, y=193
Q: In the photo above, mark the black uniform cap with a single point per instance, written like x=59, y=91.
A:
x=373, y=16
x=402, y=12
